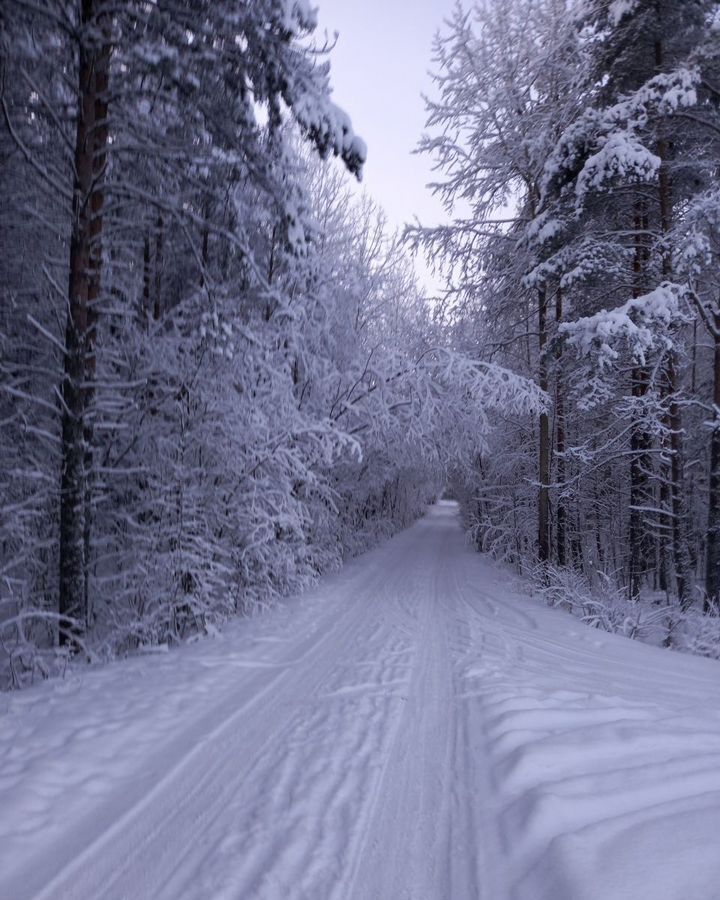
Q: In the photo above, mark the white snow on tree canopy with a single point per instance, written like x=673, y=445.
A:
x=298, y=16
x=642, y=322
x=328, y=126
x=543, y=228
x=605, y=145
x=618, y=9
x=621, y=157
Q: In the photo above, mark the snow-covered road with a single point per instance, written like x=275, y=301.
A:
x=411, y=728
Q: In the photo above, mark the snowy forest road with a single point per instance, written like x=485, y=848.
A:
x=411, y=729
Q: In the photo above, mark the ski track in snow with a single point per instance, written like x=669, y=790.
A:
x=412, y=729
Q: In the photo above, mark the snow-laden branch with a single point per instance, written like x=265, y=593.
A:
x=604, y=147
x=643, y=323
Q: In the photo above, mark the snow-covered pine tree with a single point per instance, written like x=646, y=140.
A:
x=628, y=149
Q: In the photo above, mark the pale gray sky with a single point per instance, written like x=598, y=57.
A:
x=378, y=71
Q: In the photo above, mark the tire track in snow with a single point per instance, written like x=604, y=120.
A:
x=403, y=830
x=165, y=833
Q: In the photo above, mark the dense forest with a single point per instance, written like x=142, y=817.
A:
x=220, y=376
x=579, y=144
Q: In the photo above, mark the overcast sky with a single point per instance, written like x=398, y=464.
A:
x=379, y=69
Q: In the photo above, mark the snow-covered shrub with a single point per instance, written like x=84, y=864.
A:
x=603, y=605
x=652, y=618
x=697, y=633
x=27, y=649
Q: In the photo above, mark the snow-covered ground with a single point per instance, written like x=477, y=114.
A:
x=412, y=728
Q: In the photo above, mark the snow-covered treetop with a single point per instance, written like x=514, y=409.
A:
x=606, y=146
x=264, y=50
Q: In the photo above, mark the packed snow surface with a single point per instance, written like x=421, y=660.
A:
x=412, y=729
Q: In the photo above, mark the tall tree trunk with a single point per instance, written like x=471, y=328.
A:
x=673, y=421
x=157, y=305
x=145, y=311
x=271, y=262
x=83, y=296
x=544, y=454
x=681, y=550
x=639, y=539
x=561, y=514
x=97, y=200
x=712, y=561
x=205, y=249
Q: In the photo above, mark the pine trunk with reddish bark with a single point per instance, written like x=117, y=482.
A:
x=83, y=297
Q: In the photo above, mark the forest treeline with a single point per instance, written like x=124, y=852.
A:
x=578, y=146
x=218, y=375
